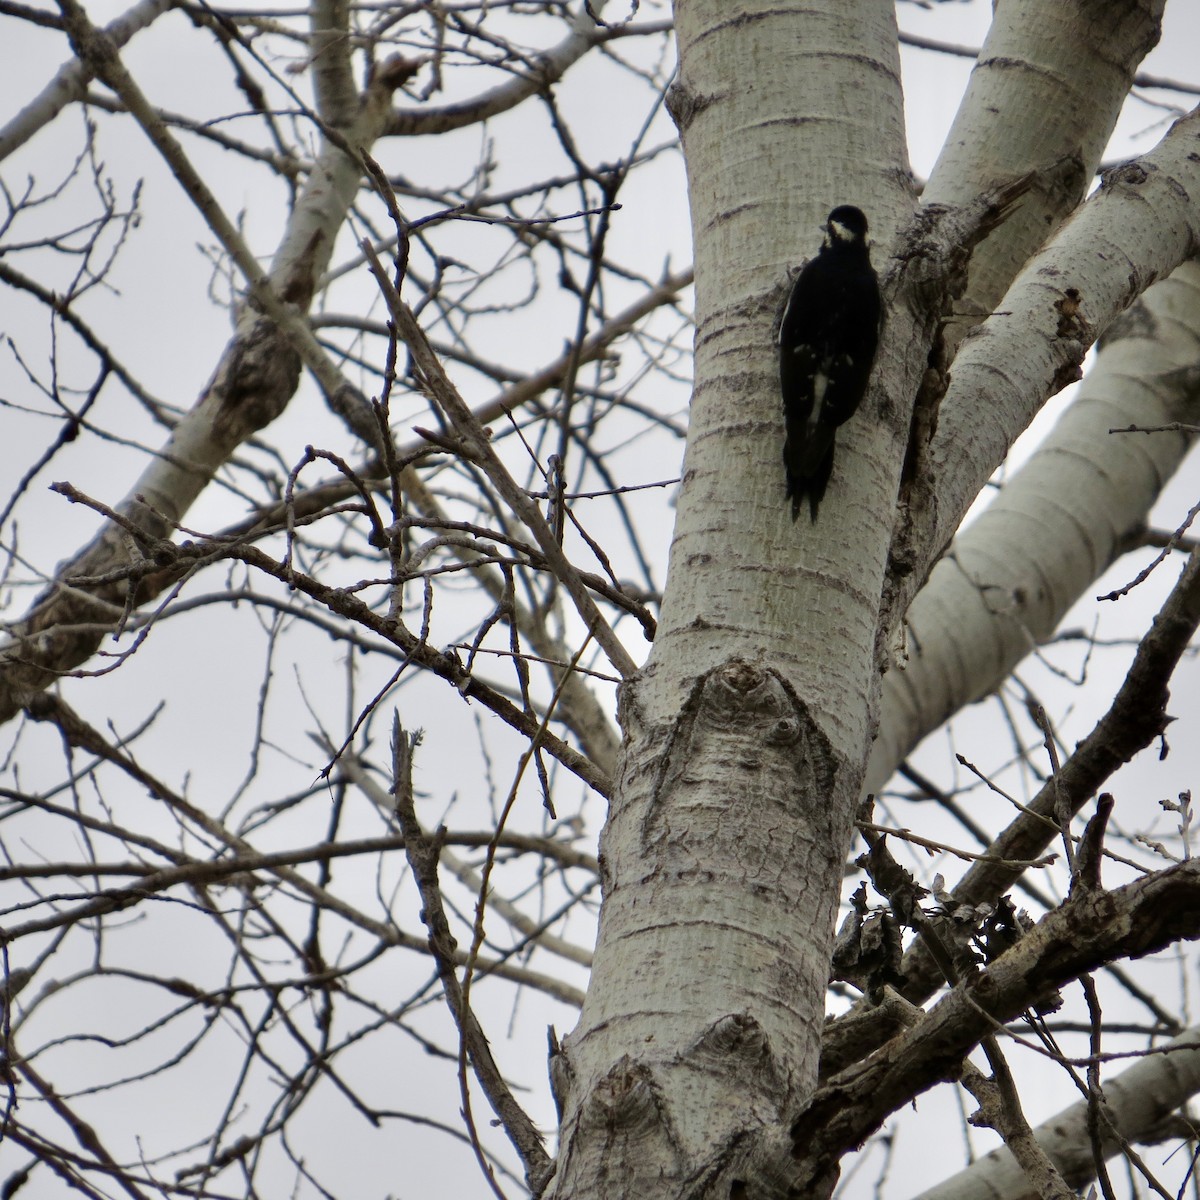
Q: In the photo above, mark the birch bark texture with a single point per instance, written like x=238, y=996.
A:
x=746, y=731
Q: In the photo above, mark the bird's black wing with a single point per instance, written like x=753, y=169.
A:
x=827, y=339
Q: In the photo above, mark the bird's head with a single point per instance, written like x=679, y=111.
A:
x=846, y=226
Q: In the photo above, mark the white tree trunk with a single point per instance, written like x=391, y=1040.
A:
x=722, y=857
x=730, y=822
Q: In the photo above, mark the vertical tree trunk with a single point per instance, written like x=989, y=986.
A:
x=723, y=852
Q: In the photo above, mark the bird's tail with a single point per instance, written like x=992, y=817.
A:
x=808, y=463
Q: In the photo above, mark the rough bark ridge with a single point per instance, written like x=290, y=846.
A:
x=729, y=858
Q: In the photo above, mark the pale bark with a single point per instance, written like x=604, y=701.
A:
x=1056, y=525
x=1037, y=59
x=746, y=733
x=259, y=369
x=254, y=380
x=333, y=79
x=71, y=80
x=723, y=853
x=1137, y=229
x=1138, y=1102
x=675, y=841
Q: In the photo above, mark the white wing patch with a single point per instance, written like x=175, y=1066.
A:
x=820, y=382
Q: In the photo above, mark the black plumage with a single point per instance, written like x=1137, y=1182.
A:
x=827, y=342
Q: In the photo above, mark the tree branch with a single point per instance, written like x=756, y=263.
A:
x=1088, y=930
x=479, y=449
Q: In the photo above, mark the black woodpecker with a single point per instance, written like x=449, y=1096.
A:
x=827, y=342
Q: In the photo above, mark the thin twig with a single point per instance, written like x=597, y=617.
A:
x=476, y=442
x=422, y=853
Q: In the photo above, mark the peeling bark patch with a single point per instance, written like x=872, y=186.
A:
x=1129, y=174
x=1070, y=322
x=257, y=379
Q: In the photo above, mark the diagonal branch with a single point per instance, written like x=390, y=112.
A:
x=422, y=852
x=253, y=383
x=71, y=81
x=1138, y=1101
x=1089, y=930
x=480, y=451
x=1135, y=718
x=1034, y=344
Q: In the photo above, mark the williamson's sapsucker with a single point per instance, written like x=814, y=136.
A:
x=827, y=341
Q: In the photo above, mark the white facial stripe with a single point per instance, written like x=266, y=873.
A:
x=840, y=231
